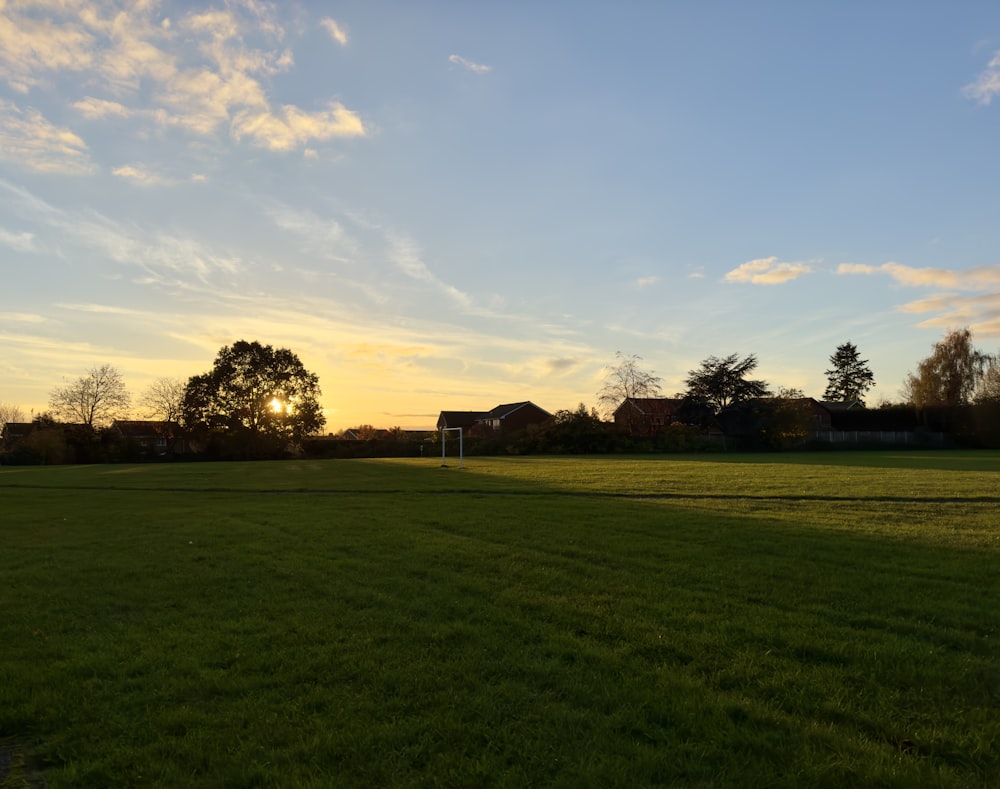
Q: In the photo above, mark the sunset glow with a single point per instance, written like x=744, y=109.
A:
x=447, y=208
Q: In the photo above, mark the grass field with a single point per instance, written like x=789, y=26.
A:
x=818, y=620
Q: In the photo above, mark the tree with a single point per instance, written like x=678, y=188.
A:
x=366, y=432
x=10, y=413
x=255, y=390
x=988, y=388
x=849, y=377
x=94, y=399
x=788, y=419
x=624, y=380
x=948, y=377
x=164, y=399
x=720, y=383
x=579, y=431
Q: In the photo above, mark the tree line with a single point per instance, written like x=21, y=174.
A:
x=956, y=386
x=956, y=373
x=258, y=400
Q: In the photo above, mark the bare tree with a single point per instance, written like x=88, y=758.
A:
x=10, y=413
x=626, y=380
x=93, y=399
x=164, y=399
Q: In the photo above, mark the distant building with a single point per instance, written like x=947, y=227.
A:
x=645, y=416
x=501, y=420
x=155, y=437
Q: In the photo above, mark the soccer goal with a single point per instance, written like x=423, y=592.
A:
x=444, y=445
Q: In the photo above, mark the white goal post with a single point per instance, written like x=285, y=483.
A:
x=444, y=442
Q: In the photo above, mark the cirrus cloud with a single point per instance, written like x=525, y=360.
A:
x=987, y=84
x=30, y=140
x=476, y=68
x=335, y=30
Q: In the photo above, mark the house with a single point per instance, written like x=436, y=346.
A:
x=645, y=416
x=366, y=433
x=47, y=441
x=155, y=437
x=15, y=432
x=463, y=419
x=502, y=420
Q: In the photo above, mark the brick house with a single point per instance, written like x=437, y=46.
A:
x=155, y=437
x=502, y=420
x=645, y=416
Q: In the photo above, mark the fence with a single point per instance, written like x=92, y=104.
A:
x=880, y=437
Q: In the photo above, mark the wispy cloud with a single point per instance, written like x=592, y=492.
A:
x=987, y=84
x=767, y=271
x=981, y=311
x=197, y=73
x=140, y=175
x=406, y=256
x=22, y=242
x=335, y=30
x=977, y=278
x=476, y=68
x=101, y=309
x=29, y=140
x=21, y=317
x=317, y=236
x=31, y=47
x=645, y=282
x=289, y=127
x=164, y=258
x=95, y=109
x=857, y=268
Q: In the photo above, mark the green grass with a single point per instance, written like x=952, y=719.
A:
x=736, y=621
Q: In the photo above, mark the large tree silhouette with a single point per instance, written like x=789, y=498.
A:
x=720, y=383
x=255, y=389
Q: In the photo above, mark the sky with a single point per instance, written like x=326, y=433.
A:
x=453, y=205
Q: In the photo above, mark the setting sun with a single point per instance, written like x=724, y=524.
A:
x=277, y=406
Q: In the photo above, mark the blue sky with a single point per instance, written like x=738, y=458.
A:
x=452, y=205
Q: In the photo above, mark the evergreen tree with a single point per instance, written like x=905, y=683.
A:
x=850, y=376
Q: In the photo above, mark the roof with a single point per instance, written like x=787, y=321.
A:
x=459, y=418
x=651, y=406
x=503, y=411
x=836, y=405
x=18, y=429
x=141, y=427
